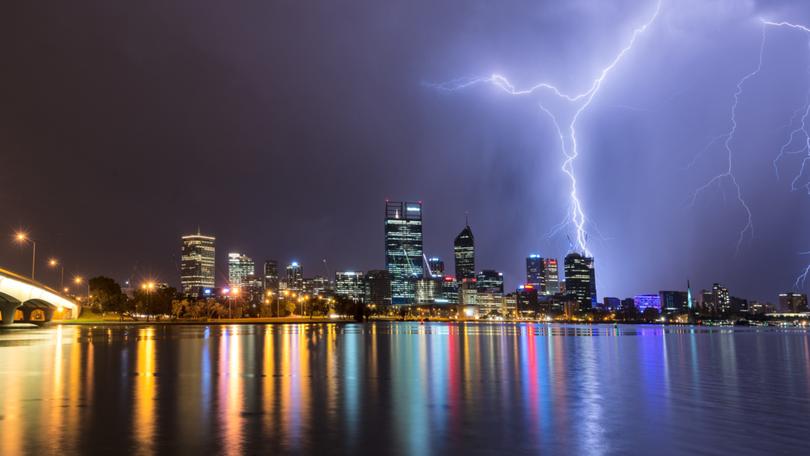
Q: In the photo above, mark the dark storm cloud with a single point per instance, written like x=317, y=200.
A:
x=280, y=127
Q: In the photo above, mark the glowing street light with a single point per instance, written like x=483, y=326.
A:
x=53, y=262
x=22, y=237
x=78, y=280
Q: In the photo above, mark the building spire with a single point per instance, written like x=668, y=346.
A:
x=466, y=218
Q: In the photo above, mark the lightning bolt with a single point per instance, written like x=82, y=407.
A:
x=728, y=137
x=568, y=134
x=804, y=136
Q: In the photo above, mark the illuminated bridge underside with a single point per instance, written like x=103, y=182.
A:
x=26, y=295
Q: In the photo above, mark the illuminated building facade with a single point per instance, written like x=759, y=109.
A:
x=551, y=277
x=240, y=266
x=295, y=277
x=197, y=263
x=350, y=284
x=580, y=279
x=646, y=301
x=403, y=248
x=534, y=271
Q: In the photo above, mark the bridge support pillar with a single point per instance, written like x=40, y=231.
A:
x=27, y=311
x=8, y=309
x=48, y=313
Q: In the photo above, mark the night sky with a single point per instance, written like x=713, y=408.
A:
x=281, y=127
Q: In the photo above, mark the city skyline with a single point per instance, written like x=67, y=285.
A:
x=251, y=171
x=403, y=232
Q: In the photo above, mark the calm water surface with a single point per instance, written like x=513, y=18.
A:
x=403, y=388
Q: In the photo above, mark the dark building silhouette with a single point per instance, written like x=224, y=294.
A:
x=464, y=252
x=271, y=276
x=403, y=248
x=436, y=267
x=378, y=287
x=489, y=281
x=793, y=302
x=674, y=301
x=580, y=279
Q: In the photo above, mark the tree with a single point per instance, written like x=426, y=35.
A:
x=155, y=301
x=106, y=295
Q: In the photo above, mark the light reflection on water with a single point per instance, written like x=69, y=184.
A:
x=403, y=388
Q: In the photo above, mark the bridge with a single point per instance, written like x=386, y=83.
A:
x=27, y=301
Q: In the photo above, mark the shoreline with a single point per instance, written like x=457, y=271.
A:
x=322, y=320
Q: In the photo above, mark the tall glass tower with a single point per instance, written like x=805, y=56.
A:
x=403, y=248
x=551, y=276
x=580, y=279
x=534, y=271
x=197, y=263
x=464, y=251
x=240, y=266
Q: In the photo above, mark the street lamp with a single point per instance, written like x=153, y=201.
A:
x=148, y=287
x=53, y=262
x=22, y=238
x=78, y=280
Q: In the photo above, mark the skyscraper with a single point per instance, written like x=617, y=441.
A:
x=271, y=275
x=197, y=261
x=464, y=252
x=534, y=271
x=240, y=266
x=580, y=279
x=721, y=298
x=295, y=277
x=403, y=248
x=551, y=276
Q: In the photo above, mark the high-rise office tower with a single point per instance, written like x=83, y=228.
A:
x=464, y=252
x=534, y=271
x=403, y=248
x=240, y=266
x=551, y=276
x=721, y=298
x=580, y=279
x=197, y=263
x=271, y=275
x=295, y=277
